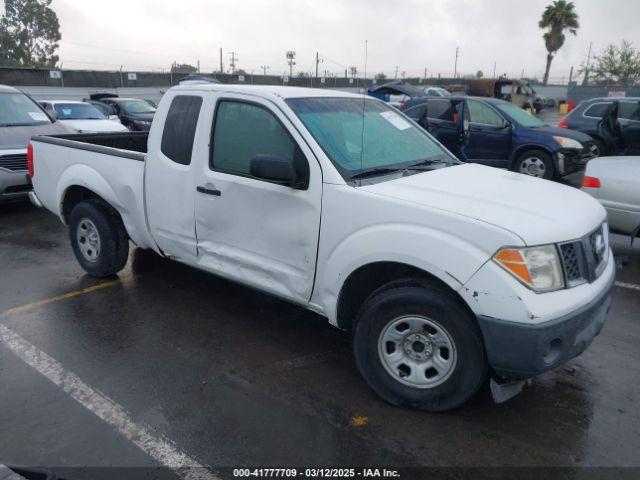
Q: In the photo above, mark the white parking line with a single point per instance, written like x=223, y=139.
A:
x=161, y=449
x=630, y=286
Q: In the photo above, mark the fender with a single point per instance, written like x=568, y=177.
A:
x=124, y=201
x=447, y=257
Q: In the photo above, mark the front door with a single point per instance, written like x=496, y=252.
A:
x=629, y=121
x=254, y=231
x=440, y=121
x=490, y=137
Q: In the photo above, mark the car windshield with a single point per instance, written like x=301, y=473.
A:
x=16, y=109
x=78, y=111
x=137, y=106
x=443, y=92
x=520, y=116
x=383, y=141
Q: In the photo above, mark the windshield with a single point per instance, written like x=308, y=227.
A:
x=389, y=140
x=16, y=109
x=442, y=91
x=78, y=111
x=518, y=115
x=137, y=106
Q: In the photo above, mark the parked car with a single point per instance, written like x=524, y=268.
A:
x=517, y=92
x=107, y=110
x=20, y=119
x=613, y=122
x=81, y=117
x=436, y=92
x=444, y=272
x=502, y=135
x=134, y=113
x=615, y=182
x=396, y=93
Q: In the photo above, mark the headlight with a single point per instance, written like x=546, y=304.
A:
x=568, y=143
x=539, y=268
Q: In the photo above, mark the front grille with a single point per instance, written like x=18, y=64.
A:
x=584, y=260
x=16, y=163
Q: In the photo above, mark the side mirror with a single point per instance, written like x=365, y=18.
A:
x=276, y=169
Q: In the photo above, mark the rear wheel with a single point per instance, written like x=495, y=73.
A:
x=418, y=347
x=535, y=163
x=98, y=237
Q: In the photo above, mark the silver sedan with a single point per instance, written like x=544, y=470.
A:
x=615, y=182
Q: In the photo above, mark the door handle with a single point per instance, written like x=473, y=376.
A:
x=208, y=191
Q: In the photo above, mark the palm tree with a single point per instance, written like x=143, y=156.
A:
x=557, y=17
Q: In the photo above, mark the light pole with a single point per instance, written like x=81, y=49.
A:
x=455, y=68
x=264, y=69
x=291, y=55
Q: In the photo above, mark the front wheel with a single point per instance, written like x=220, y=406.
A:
x=535, y=163
x=418, y=347
x=98, y=237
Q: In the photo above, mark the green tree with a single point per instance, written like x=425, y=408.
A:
x=616, y=65
x=29, y=34
x=557, y=17
x=183, y=68
x=381, y=77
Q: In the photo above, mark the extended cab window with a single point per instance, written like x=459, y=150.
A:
x=483, y=114
x=180, y=128
x=244, y=130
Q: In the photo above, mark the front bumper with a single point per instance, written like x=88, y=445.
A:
x=571, y=161
x=14, y=184
x=518, y=351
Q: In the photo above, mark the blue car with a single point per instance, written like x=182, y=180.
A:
x=500, y=134
x=613, y=122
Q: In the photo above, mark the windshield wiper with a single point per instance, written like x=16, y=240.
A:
x=374, y=172
x=427, y=162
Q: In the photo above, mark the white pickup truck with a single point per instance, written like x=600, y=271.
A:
x=447, y=274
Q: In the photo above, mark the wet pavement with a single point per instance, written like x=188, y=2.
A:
x=233, y=377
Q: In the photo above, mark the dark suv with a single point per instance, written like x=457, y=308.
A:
x=613, y=122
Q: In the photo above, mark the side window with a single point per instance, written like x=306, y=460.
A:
x=180, y=128
x=440, y=110
x=629, y=110
x=597, y=110
x=483, y=114
x=416, y=113
x=243, y=131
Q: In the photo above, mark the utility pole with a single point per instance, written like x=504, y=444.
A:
x=198, y=65
x=264, y=69
x=494, y=69
x=291, y=55
x=234, y=61
x=571, y=75
x=221, y=67
x=318, y=61
x=395, y=77
x=455, y=68
x=425, y=73
x=585, y=81
x=522, y=74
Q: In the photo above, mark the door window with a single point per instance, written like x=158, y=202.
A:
x=440, y=110
x=180, y=128
x=481, y=113
x=416, y=113
x=629, y=111
x=597, y=110
x=244, y=130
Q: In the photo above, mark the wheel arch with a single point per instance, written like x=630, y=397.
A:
x=525, y=148
x=366, y=279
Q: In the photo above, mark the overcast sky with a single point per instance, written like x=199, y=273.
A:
x=410, y=34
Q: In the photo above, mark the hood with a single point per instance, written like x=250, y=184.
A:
x=536, y=210
x=18, y=137
x=94, y=125
x=564, y=132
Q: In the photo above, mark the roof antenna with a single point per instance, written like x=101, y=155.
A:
x=364, y=99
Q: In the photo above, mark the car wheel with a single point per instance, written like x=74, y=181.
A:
x=98, y=237
x=535, y=163
x=418, y=347
x=600, y=148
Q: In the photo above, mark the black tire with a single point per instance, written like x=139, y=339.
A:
x=535, y=157
x=408, y=297
x=602, y=147
x=113, y=251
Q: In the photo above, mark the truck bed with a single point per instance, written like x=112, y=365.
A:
x=122, y=144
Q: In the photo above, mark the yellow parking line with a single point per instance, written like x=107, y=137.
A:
x=64, y=296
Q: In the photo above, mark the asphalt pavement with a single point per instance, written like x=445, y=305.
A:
x=169, y=365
